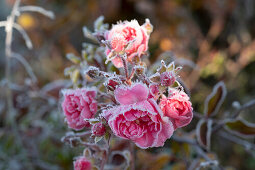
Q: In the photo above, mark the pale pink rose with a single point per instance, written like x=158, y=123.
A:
x=82, y=163
x=79, y=104
x=138, y=118
x=121, y=35
x=167, y=78
x=177, y=107
x=98, y=129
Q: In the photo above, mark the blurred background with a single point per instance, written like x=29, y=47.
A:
x=215, y=37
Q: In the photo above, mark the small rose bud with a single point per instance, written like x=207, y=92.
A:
x=112, y=83
x=98, y=129
x=167, y=78
x=82, y=163
x=93, y=72
x=140, y=69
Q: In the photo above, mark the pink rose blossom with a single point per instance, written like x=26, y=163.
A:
x=167, y=78
x=82, y=163
x=138, y=117
x=124, y=33
x=177, y=107
x=98, y=129
x=79, y=104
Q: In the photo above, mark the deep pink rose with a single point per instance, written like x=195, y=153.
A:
x=177, y=107
x=79, y=104
x=98, y=129
x=138, y=117
x=167, y=78
x=122, y=34
x=82, y=163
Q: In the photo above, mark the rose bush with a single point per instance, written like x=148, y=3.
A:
x=131, y=104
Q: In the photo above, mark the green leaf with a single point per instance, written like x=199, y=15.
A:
x=203, y=133
x=88, y=34
x=68, y=71
x=97, y=139
x=107, y=136
x=162, y=68
x=73, y=58
x=75, y=76
x=241, y=127
x=214, y=101
x=155, y=78
x=98, y=23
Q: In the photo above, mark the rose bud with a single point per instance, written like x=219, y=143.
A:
x=98, y=129
x=167, y=78
x=112, y=83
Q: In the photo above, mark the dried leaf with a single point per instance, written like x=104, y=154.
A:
x=241, y=127
x=203, y=133
x=215, y=99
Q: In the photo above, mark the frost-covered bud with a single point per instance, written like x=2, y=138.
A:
x=92, y=71
x=98, y=129
x=112, y=83
x=82, y=163
x=167, y=78
x=140, y=69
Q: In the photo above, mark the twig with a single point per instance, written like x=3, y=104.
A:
x=198, y=115
x=184, y=140
x=243, y=107
x=24, y=35
x=3, y=23
x=235, y=114
x=106, y=154
x=8, y=52
x=132, y=152
x=38, y=9
x=247, y=145
x=26, y=65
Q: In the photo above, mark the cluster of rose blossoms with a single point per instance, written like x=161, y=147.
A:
x=143, y=109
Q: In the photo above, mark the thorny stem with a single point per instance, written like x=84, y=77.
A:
x=106, y=154
x=125, y=70
x=132, y=151
x=8, y=53
x=132, y=74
